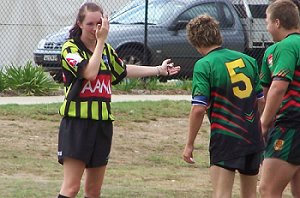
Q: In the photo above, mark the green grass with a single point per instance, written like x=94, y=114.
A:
x=153, y=84
x=145, y=162
x=130, y=111
x=147, y=111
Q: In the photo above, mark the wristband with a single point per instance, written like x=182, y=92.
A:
x=158, y=71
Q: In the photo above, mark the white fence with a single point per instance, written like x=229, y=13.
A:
x=23, y=23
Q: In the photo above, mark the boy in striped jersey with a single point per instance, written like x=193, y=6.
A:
x=226, y=85
x=281, y=83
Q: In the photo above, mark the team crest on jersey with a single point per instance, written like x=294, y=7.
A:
x=270, y=60
x=278, y=145
x=105, y=59
x=73, y=59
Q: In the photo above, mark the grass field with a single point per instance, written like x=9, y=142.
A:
x=149, y=138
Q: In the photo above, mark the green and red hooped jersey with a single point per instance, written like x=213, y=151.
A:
x=285, y=60
x=227, y=82
x=83, y=98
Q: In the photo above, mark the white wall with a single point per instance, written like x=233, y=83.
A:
x=23, y=23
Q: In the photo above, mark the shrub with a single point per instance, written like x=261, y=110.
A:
x=128, y=84
x=152, y=84
x=29, y=80
x=3, y=84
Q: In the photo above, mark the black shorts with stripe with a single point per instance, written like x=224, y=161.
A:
x=86, y=140
x=246, y=165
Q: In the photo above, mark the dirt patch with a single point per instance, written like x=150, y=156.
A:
x=145, y=159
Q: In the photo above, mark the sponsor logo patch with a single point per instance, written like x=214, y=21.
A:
x=100, y=87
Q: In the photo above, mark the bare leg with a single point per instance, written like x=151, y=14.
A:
x=222, y=181
x=93, y=181
x=295, y=184
x=73, y=170
x=276, y=174
x=248, y=186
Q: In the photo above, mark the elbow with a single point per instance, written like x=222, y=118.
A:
x=279, y=88
x=90, y=77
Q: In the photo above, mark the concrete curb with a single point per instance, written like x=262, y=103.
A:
x=115, y=98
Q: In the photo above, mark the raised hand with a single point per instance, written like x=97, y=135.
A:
x=102, y=29
x=168, y=68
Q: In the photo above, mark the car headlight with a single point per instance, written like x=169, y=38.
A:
x=41, y=44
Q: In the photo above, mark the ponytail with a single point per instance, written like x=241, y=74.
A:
x=75, y=31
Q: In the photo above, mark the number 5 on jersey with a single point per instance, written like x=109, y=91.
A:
x=239, y=77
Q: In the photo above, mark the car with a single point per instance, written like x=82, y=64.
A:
x=162, y=35
x=48, y=52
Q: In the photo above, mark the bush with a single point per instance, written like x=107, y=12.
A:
x=28, y=80
x=3, y=84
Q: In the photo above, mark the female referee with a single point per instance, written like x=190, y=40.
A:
x=90, y=66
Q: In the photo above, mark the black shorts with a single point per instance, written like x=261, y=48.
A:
x=86, y=140
x=246, y=165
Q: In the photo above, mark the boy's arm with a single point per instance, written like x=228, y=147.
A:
x=261, y=105
x=275, y=95
x=195, y=121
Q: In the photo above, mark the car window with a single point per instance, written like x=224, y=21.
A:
x=208, y=8
x=157, y=13
x=212, y=9
x=228, y=20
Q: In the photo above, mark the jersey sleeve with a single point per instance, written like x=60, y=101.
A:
x=258, y=87
x=201, y=83
x=72, y=60
x=118, y=67
x=284, y=63
x=265, y=73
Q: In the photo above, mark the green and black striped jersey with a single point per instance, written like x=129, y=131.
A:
x=227, y=82
x=286, y=66
x=89, y=99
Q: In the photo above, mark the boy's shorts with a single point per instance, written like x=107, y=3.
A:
x=284, y=143
x=246, y=165
x=86, y=140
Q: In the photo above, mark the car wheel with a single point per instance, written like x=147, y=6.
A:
x=57, y=76
x=131, y=56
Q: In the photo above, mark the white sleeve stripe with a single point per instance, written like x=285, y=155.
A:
x=194, y=104
x=199, y=102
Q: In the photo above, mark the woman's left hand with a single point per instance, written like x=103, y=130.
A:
x=168, y=69
x=102, y=29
